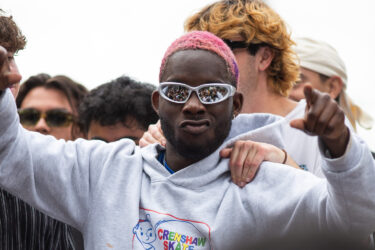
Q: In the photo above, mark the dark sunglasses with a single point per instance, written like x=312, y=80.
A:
x=53, y=117
x=252, y=47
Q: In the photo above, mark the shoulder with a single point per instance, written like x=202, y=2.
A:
x=96, y=151
x=270, y=171
x=278, y=179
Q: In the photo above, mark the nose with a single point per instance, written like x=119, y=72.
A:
x=193, y=105
x=15, y=76
x=42, y=127
x=12, y=75
x=296, y=93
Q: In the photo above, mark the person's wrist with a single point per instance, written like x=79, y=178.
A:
x=275, y=154
x=337, y=146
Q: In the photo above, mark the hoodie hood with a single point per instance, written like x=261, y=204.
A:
x=257, y=127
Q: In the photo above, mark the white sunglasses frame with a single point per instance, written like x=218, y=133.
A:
x=231, y=91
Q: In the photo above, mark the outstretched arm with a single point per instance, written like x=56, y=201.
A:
x=348, y=166
x=341, y=204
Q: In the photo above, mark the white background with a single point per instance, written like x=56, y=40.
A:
x=94, y=42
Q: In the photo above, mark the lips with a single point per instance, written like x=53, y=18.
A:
x=195, y=127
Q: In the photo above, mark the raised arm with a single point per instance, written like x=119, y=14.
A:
x=39, y=169
x=55, y=176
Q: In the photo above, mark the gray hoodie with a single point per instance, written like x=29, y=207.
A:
x=121, y=197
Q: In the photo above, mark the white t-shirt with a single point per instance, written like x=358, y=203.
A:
x=305, y=150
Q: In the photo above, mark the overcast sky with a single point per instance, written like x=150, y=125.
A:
x=94, y=42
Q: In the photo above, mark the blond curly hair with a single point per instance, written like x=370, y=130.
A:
x=256, y=22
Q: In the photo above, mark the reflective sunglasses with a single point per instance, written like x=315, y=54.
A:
x=210, y=93
x=252, y=47
x=53, y=117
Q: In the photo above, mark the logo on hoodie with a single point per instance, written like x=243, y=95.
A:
x=145, y=233
x=157, y=230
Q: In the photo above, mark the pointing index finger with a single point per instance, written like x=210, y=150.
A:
x=308, y=91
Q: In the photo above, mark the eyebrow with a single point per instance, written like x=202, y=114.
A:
x=302, y=79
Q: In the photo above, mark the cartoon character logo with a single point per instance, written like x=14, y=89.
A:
x=145, y=233
x=164, y=231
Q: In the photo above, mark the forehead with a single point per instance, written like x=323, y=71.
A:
x=196, y=67
x=45, y=99
x=309, y=73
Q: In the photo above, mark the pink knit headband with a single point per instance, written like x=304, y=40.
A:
x=202, y=40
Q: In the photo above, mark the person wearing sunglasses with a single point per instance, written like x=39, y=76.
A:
x=49, y=105
x=126, y=197
x=117, y=109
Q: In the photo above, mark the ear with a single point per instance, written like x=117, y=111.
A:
x=155, y=101
x=237, y=103
x=266, y=56
x=335, y=86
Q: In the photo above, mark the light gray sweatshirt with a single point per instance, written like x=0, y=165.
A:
x=121, y=197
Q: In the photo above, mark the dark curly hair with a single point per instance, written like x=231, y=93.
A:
x=116, y=101
x=11, y=37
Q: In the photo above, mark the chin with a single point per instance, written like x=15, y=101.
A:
x=195, y=147
x=194, y=151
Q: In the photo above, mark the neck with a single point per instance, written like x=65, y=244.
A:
x=262, y=99
x=175, y=161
